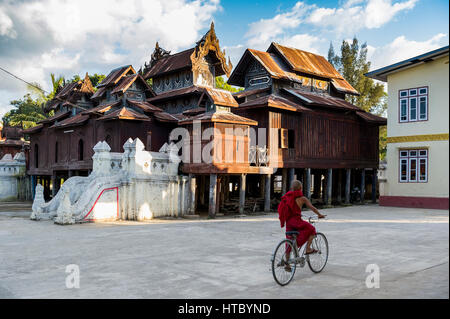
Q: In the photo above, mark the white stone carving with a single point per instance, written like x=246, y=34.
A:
x=133, y=185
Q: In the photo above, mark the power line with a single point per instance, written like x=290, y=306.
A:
x=20, y=79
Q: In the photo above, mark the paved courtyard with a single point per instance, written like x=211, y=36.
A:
x=225, y=258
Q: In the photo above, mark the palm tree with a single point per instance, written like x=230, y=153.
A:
x=39, y=92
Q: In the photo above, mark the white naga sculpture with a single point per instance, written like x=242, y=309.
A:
x=134, y=185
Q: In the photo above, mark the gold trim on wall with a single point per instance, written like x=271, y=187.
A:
x=417, y=138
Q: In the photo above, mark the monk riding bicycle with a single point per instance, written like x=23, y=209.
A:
x=291, y=251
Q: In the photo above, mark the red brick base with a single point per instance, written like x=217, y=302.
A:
x=415, y=202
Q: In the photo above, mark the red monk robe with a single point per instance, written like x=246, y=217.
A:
x=294, y=221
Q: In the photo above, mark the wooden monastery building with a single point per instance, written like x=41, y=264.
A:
x=294, y=101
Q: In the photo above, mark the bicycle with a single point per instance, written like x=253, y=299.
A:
x=283, y=269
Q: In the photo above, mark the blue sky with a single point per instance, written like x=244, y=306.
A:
x=39, y=37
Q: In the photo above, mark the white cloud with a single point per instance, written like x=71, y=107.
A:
x=265, y=30
x=356, y=15
x=379, y=12
x=6, y=25
x=345, y=20
x=303, y=41
x=71, y=37
x=401, y=49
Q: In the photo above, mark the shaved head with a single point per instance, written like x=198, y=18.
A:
x=296, y=185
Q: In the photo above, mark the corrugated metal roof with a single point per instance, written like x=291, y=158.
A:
x=175, y=93
x=33, y=129
x=275, y=101
x=71, y=121
x=144, y=106
x=114, y=76
x=221, y=97
x=372, y=118
x=293, y=65
x=102, y=108
x=220, y=117
x=268, y=62
x=55, y=117
x=171, y=63
x=125, y=114
x=306, y=62
x=166, y=117
x=194, y=111
x=248, y=92
x=310, y=98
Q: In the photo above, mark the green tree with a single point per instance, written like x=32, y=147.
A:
x=352, y=64
x=26, y=112
x=221, y=84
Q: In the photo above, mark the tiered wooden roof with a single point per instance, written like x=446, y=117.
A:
x=70, y=93
x=291, y=64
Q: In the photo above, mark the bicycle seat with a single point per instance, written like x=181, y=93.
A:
x=291, y=233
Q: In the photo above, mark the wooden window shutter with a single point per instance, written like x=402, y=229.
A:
x=284, y=138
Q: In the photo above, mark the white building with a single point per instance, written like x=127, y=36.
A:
x=417, y=171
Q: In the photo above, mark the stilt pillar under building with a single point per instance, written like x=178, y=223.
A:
x=339, y=186
x=374, y=185
x=242, y=193
x=267, y=193
x=284, y=181
x=329, y=187
x=53, y=185
x=317, y=182
x=192, y=190
x=212, y=195
x=348, y=173
x=307, y=188
x=291, y=177
x=363, y=185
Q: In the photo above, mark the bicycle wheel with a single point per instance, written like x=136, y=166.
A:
x=283, y=262
x=317, y=261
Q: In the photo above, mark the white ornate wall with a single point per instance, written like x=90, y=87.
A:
x=11, y=170
x=133, y=185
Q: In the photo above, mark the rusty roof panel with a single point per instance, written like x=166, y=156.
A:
x=194, y=111
x=99, y=93
x=307, y=62
x=124, y=83
x=221, y=97
x=275, y=70
x=71, y=121
x=115, y=75
x=220, y=117
x=372, y=118
x=33, y=129
x=171, y=63
x=310, y=98
x=125, y=114
x=343, y=86
x=275, y=101
x=144, y=106
x=102, y=108
x=57, y=116
x=176, y=93
x=166, y=117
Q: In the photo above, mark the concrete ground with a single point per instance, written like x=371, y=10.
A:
x=225, y=258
